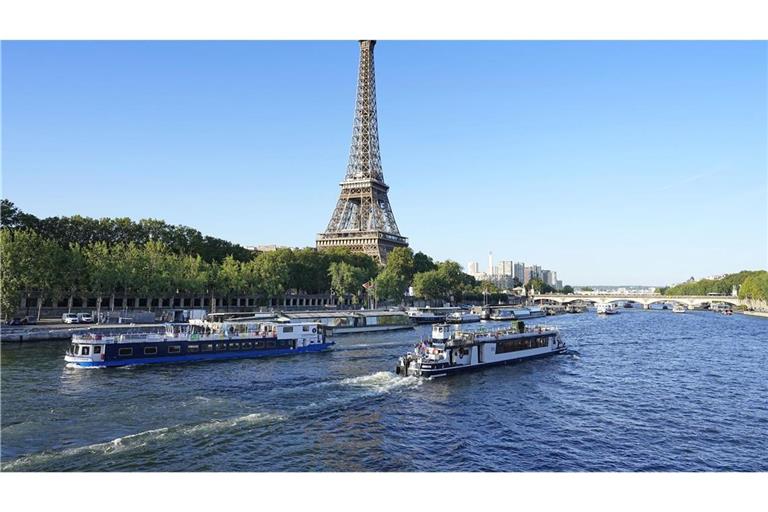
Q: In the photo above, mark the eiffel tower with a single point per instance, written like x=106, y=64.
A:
x=363, y=220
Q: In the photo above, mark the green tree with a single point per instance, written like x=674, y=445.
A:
x=13, y=218
x=11, y=281
x=567, y=289
x=393, y=281
x=272, y=272
x=431, y=285
x=423, y=263
x=755, y=287
x=347, y=279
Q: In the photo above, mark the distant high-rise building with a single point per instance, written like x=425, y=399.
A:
x=527, y=274
x=546, y=276
x=490, y=263
x=506, y=268
x=519, y=271
x=473, y=268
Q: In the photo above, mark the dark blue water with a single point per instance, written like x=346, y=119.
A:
x=640, y=391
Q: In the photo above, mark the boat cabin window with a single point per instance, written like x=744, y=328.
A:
x=125, y=352
x=247, y=345
x=288, y=329
x=174, y=349
x=150, y=351
x=85, y=350
x=234, y=346
x=207, y=347
x=193, y=348
x=97, y=349
x=221, y=346
x=305, y=328
x=74, y=348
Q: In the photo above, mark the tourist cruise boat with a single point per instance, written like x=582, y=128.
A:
x=607, y=309
x=347, y=322
x=678, y=308
x=462, y=317
x=517, y=313
x=501, y=315
x=197, y=342
x=428, y=315
x=451, y=350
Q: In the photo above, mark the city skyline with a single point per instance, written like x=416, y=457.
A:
x=607, y=170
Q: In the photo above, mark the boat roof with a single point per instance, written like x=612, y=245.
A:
x=241, y=316
x=342, y=314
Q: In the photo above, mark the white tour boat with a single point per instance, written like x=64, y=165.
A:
x=462, y=317
x=678, y=308
x=428, y=315
x=451, y=350
x=607, y=309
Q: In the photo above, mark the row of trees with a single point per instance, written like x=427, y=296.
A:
x=85, y=231
x=753, y=279
x=35, y=265
x=755, y=286
x=56, y=258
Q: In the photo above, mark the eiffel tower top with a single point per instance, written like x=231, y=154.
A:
x=364, y=156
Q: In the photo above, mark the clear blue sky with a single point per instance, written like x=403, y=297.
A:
x=610, y=162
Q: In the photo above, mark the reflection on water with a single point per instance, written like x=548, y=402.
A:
x=639, y=391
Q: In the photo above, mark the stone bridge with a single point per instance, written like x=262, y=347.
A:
x=646, y=299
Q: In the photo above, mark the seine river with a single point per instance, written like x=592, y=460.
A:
x=639, y=391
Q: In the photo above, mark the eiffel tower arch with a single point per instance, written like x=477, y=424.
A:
x=363, y=220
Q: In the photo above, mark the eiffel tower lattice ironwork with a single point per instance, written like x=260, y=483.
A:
x=363, y=220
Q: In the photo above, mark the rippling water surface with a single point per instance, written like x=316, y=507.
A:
x=639, y=391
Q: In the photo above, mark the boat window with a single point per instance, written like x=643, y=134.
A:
x=74, y=348
x=221, y=346
x=234, y=346
x=174, y=349
x=125, y=352
x=247, y=345
x=288, y=329
x=150, y=351
x=270, y=344
x=207, y=347
x=305, y=328
x=97, y=349
x=258, y=344
x=193, y=348
x=85, y=350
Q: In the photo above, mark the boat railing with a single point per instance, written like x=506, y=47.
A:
x=461, y=337
x=157, y=337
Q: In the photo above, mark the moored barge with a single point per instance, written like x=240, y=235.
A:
x=451, y=350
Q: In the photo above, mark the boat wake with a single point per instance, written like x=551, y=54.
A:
x=350, y=390
x=361, y=346
x=141, y=439
x=381, y=382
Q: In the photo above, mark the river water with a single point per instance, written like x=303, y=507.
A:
x=638, y=391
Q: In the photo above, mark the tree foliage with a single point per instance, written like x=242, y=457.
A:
x=86, y=230
x=755, y=286
x=723, y=286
